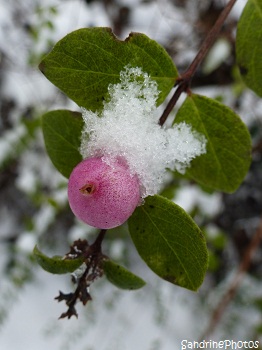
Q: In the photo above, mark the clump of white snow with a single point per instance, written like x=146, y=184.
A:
x=128, y=128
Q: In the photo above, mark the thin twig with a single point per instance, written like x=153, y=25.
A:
x=210, y=39
x=231, y=291
x=171, y=104
x=99, y=240
x=183, y=82
x=93, y=270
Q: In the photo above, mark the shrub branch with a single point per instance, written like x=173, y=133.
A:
x=184, y=81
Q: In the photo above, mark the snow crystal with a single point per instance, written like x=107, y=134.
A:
x=128, y=128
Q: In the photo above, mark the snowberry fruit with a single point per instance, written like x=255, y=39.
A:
x=103, y=195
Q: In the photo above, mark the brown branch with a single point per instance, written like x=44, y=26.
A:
x=93, y=258
x=231, y=291
x=171, y=104
x=209, y=40
x=183, y=82
x=98, y=242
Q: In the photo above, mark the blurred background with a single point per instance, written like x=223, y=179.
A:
x=33, y=195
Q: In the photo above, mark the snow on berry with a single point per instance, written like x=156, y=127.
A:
x=128, y=128
x=102, y=195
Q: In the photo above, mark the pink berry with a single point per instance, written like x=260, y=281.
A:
x=102, y=195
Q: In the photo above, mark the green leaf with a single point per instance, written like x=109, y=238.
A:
x=56, y=264
x=228, y=155
x=248, y=45
x=121, y=277
x=170, y=242
x=87, y=60
x=62, y=131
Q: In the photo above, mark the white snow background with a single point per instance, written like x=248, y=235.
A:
x=160, y=315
